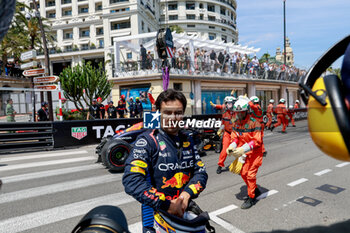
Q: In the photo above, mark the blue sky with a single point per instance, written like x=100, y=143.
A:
x=312, y=26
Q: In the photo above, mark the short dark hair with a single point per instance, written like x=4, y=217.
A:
x=171, y=95
x=8, y=100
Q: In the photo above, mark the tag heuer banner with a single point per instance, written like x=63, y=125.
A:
x=79, y=132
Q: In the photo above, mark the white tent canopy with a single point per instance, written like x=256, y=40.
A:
x=180, y=40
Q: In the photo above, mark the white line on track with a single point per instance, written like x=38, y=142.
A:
x=36, y=175
x=294, y=183
x=45, y=163
x=267, y=194
x=320, y=173
x=59, y=187
x=343, y=164
x=136, y=227
x=223, y=223
x=56, y=214
x=25, y=157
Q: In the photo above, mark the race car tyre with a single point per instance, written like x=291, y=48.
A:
x=117, y=152
x=101, y=149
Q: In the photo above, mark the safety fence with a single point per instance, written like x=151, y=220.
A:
x=210, y=68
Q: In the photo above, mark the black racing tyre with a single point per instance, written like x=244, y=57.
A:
x=101, y=149
x=116, y=154
x=217, y=146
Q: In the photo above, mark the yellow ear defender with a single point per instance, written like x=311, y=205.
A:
x=328, y=115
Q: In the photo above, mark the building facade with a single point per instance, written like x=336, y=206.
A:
x=83, y=30
x=289, y=54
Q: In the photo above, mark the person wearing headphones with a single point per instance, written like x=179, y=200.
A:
x=269, y=113
x=246, y=146
x=282, y=117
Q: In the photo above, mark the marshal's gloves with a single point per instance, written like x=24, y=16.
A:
x=238, y=152
x=212, y=104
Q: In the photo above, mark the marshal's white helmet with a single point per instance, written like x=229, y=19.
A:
x=282, y=100
x=272, y=101
x=291, y=106
x=297, y=101
x=254, y=99
x=241, y=105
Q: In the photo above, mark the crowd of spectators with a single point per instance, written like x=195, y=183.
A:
x=12, y=69
x=219, y=63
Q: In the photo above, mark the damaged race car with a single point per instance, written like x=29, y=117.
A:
x=113, y=151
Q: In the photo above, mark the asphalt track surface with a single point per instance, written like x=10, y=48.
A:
x=49, y=192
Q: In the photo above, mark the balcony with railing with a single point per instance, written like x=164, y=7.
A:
x=200, y=18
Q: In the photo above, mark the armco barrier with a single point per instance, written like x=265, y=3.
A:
x=19, y=136
x=76, y=133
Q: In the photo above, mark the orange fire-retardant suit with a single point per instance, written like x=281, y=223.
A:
x=281, y=112
x=290, y=113
x=247, y=134
x=257, y=114
x=269, y=114
x=226, y=139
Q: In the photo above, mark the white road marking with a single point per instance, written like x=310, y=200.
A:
x=56, y=214
x=320, y=173
x=343, y=164
x=45, y=163
x=268, y=134
x=294, y=183
x=223, y=223
x=56, y=172
x=59, y=187
x=21, y=158
x=267, y=194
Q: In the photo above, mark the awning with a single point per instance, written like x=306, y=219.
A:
x=119, y=19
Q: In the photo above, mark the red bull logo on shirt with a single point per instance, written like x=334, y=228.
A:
x=177, y=181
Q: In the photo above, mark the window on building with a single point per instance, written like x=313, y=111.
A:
x=222, y=10
x=50, y=3
x=211, y=18
x=68, y=48
x=120, y=25
x=201, y=5
x=173, y=17
x=233, y=40
x=172, y=6
x=101, y=43
x=98, y=7
x=201, y=17
x=51, y=15
x=178, y=86
x=67, y=12
x=83, y=10
x=68, y=35
x=66, y=1
x=212, y=36
x=99, y=31
x=190, y=16
x=190, y=6
x=148, y=30
x=191, y=25
x=85, y=47
x=116, y=1
x=211, y=8
x=223, y=29
x=85, y=33
x=224, y=38
x=212, y=27
x=129, y=56
x=142, y=25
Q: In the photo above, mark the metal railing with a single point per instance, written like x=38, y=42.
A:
x=211, y=68
x=209, y=19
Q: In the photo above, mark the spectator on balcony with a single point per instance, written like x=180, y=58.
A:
x=213, y=60
x=221, y=59
x=234, y=63
x=206, y=61
x=182, y=58
x=226, y=62
x=173, y=59
x=143, y=56
x=244, y=64
x=255, y=62
x=199, y=60
x=149, y=60
x=238, y=63
x=187, y=58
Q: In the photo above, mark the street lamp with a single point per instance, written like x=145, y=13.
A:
x=46, y=54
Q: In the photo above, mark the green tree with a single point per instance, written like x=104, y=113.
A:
x=176, y=28
x=264, y=57
x=83, y=83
